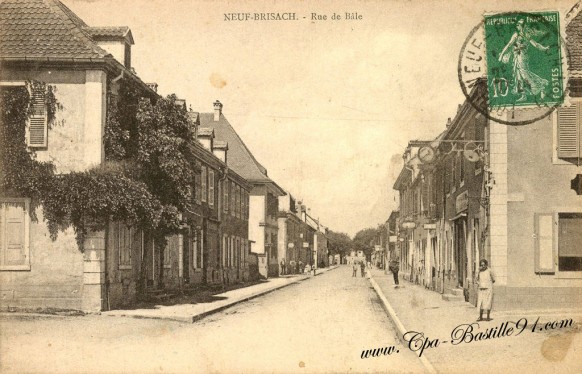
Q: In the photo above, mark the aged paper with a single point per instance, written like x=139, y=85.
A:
x=328, y=96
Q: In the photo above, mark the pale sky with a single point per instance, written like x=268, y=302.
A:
x=327, y=107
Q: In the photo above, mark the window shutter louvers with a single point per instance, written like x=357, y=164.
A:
x=569, y=131
x=37, y=122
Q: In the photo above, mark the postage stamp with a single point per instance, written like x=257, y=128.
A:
x=524, y=60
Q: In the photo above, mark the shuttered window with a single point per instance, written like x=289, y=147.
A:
x=204, y=182
x=569, y=134
x=14, y=234
x=211, y=187
x=225, y=200
x=569, y=239
x=37, y=122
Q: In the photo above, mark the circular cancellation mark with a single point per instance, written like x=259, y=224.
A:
x=518, y=58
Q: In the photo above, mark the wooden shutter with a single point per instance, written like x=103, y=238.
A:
x=544, y=243
x=13, y=235
x=37, y=122
x=211, y=187
x=569, y=143
x=204, y=181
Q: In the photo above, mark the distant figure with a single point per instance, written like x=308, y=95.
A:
x=485, y=280
x=307, y=269
x=362, y=268
x=394, y=267
x=283, y=267
x=300, y=266
x=293, y=264
x=354, y=269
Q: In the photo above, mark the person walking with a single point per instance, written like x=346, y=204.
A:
x=485, y=280
x=354, y=269
x=394, y=267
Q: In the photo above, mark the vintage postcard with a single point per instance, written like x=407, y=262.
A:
x=195, y=186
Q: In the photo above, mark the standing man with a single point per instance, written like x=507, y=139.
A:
x=354, y=268
x=485, y=280
x=362, y=267
x=283, y=267
x=394, y=267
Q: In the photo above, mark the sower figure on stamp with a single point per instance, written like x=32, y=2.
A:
x=394, y=267
x=485, y=280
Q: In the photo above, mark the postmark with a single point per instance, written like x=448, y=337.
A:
x=521, y=60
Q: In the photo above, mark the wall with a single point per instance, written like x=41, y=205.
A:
x=55, y=278
x=536, y=185
x=60, y=276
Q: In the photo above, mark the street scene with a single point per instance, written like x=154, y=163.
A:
x=282, y=187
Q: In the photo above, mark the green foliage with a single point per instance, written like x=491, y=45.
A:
x=145, y=181
x=339, y=242
x=364, y=240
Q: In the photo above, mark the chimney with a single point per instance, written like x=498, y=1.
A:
x=217, y=110
x=153, y=86
x=220, y=149
x=206, y=137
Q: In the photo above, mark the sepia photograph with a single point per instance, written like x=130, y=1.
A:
x=290, y=186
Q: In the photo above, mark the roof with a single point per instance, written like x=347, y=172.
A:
x=110, y=32
x=205, y=131
x=574, y=39
x=220, y=144
x=240, y=158
x=47, y=29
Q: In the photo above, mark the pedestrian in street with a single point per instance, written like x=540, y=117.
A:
x=300, y=266
x=292, y=265
x=485, y=280
x=362, y=268
x=394, y=267
x=283, y=267
x=354, y=269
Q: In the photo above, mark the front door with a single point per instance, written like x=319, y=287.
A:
x=460, y=251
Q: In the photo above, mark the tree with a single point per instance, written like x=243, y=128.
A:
x=339, y=243
x=364, y=240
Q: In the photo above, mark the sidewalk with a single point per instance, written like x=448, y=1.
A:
x=414, y=308
x=194, y=312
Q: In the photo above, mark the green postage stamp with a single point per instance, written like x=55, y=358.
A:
x=524, y=60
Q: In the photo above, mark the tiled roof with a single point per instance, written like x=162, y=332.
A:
x=205, y=131
x=108, y=32
x=45, y=29
x=240, y=158
x=574, y=40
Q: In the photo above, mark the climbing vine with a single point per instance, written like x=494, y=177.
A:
x=146, y=178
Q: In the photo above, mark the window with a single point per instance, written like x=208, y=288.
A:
x=569, y=239
x=237, y=201
x=122, y=241
x=225, y=200
x=14, y=234
x=197, y=187
x=560, y=232
x=232, y=198
x=37, y=127
x=569, y=131
x=203, y=186
x=211, y=187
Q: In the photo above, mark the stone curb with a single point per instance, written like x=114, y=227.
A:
x=399, y=326
x=199, y=316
